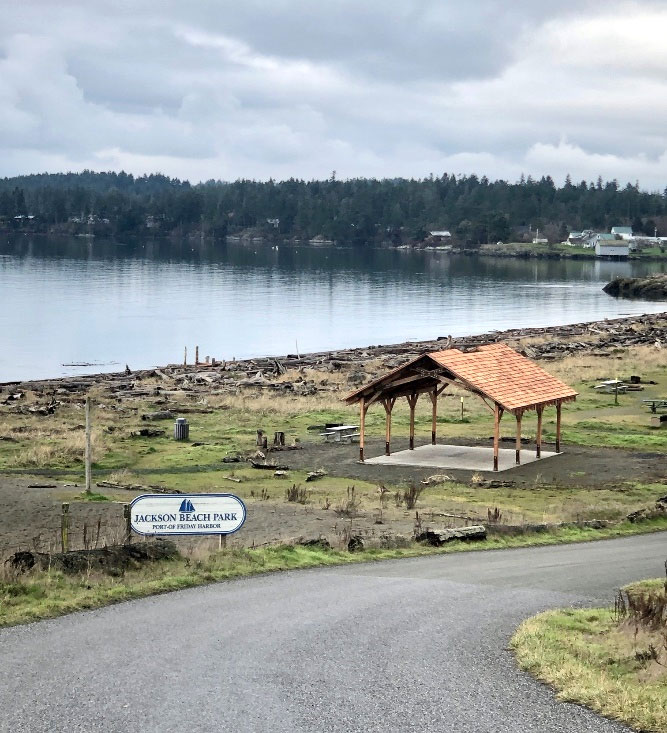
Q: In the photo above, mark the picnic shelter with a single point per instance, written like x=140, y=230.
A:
x=503, y=379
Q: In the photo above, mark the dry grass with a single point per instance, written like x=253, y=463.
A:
x=611, y=661
x=49, y=448
x=634, y=360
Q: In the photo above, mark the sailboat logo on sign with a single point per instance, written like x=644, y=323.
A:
x=186, y=506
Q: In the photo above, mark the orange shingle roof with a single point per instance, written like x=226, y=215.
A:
x=505, y=376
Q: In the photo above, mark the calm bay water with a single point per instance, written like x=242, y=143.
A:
x=110, y=304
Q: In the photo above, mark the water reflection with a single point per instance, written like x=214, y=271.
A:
x=74, y=300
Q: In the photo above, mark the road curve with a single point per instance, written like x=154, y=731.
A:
x=406, y=645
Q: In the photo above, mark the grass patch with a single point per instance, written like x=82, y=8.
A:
x=83, y=496
x=609, y=660
x=43, y=595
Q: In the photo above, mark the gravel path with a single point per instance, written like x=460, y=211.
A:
x=409, y=645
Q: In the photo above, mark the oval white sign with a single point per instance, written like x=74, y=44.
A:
x=169, y=514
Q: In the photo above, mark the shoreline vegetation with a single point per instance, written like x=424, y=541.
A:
x=472, y=211
x=613, y=660
x=35, y=595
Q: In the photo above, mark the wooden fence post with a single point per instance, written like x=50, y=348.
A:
x=127, y=515
x=64, y=527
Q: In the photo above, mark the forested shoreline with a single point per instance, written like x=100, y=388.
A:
x=357, y=211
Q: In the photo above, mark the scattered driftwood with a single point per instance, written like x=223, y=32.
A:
x=139, y=488
x=179, y=389
x=659, y=509
x=454, y=516
x=314, y=475
x=491, y=483
x=42, y=486
x=147, y=433
x=112, y=560
x=159, y=415
x=439, y=537
x=269, y=466
x=438, y=478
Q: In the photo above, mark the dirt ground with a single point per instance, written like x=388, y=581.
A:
x=30, y=518
x=575, y=466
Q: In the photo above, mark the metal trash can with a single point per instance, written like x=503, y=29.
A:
x=181, y=429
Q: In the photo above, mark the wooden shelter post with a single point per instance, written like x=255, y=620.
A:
x=497, y=414
x=412, y=401
x=434, y=415
x=362, y=427
x=388, y=407
x=558, y=416
x=538, y=441
x=519, y=415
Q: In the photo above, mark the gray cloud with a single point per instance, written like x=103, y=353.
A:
x=299, y=88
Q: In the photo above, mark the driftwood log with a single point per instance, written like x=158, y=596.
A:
x=439, y=537
x=112, y=560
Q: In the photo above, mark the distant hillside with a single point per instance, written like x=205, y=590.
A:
x=475, y=210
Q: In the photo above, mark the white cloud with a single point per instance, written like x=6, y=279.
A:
x=296, y=88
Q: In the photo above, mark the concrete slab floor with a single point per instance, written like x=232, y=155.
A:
x=473, y=458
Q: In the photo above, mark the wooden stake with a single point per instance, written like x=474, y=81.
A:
x=538, y=442
x=88, y=457
x=196, y=355
x=362, y=427
x=64, y=527
x=412, y=401
x=558, y=416
x=185, y=356
x=496, y=434
x=519, y=415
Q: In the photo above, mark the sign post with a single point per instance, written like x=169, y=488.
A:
x=179, y=514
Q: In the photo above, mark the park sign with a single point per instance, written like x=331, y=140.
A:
x=178, y=514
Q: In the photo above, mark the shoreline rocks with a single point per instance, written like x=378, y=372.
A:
x=653, y=287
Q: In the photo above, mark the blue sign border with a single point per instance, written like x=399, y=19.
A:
x=185, y=534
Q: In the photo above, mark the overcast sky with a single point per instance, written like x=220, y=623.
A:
x=280, y=88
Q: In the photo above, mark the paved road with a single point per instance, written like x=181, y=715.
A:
x=409, y=645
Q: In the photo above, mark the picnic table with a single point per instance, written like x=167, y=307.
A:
x=341, y=434
x=657, y=404
x=611, y=386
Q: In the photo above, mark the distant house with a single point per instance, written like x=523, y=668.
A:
x=441, y=234
x=611, y=248
x=622, y=232
x=581, y=239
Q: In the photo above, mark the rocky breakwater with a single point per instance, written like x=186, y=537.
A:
x=646, y=288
